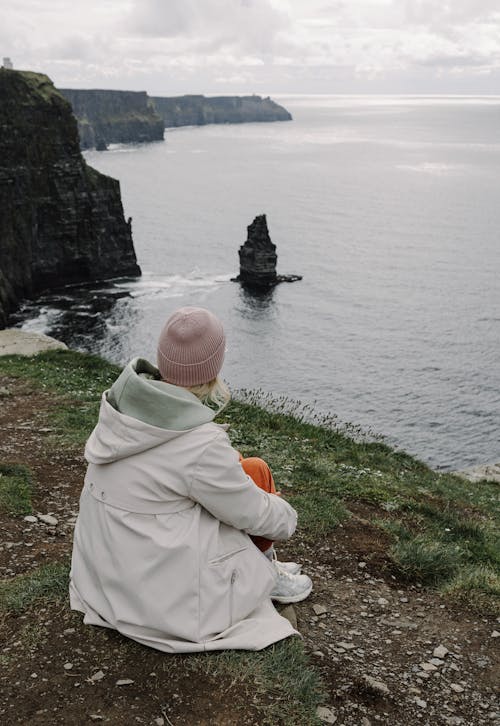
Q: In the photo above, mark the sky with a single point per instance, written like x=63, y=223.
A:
x=269, y=47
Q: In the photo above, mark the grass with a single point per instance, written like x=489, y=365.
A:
x=319, y=514
x=16, y=487
x=443, y=528
x=79, y=379
x=41, y=84
x=478, y=586
x=290, y=689
x=32, y=635
x=425, y=560
x=48, y=582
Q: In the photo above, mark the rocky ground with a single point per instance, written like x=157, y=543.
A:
x=387, y=653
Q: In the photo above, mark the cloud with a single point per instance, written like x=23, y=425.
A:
x=434, y=13
x=249, y=24
x=296, y=44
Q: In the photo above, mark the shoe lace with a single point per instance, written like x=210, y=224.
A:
x=284, y=574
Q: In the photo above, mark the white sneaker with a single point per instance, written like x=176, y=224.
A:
x=291, y=567
x=290, y=588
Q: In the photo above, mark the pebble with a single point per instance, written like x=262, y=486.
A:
x=440, y=651
x=495, y=634
x=375, y=685
x=320, y=609
x=95, y=717
x=47, y=519
x=456, y=687
x=68, y=666
x=97, y=676
x=361, y=565
x=159, y=721
x=325, y=714
x=421, y=703
x=68, y=631
x=345, y=646
x=382, y=601
x=428, y=667
x=31, y=518
x=124, y=682
x=436, y=661
x=399, y=623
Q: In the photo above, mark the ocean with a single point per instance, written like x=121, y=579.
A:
x=388, y=207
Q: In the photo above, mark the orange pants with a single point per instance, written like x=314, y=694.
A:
x=258, y=470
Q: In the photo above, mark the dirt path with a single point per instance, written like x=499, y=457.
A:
x=373, y=639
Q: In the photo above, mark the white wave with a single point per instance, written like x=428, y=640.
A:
x=170, y=285
x=430, y=167
x=114, y=328
x=43, y=322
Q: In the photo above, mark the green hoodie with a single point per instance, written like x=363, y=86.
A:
x=140, y=393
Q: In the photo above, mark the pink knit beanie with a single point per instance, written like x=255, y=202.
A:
x=191, y=347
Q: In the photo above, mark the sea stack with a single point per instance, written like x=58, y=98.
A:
x=258, y=258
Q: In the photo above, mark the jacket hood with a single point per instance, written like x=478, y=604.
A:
x=140, y=411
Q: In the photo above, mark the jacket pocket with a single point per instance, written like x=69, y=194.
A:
x=226, y=556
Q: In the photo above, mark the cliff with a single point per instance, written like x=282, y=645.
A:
x=404, y=562
x=200, y=110
x=61, y=221
x=118, y=117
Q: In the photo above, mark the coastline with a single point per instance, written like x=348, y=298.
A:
x=490, y=472
x=14, y=341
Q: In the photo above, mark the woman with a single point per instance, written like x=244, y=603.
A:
x=162, y=548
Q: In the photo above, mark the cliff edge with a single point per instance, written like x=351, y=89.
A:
x=61, y=221
x=114, y=117
x=199, y=110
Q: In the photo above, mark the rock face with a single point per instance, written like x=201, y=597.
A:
x=114, y=117
x=23, y=342
x=200, y=110
x=106, y=117
x=258, y=258
x=491, y=472
x=61, y=221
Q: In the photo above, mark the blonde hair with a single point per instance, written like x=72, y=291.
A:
x=215, y=393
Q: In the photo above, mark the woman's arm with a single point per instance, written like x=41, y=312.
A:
x=221, y=486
